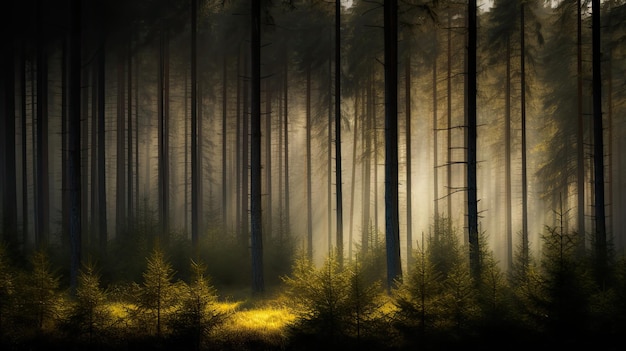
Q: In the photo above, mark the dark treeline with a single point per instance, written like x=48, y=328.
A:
x=245, y=134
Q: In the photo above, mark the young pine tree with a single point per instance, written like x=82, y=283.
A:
x=156, y=295
x=197, y=314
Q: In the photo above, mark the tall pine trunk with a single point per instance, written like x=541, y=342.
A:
x=286, y=148
x=525, y=247
x=258, y=284
x=392, y=227
x=74, y=151
x=472, y=198
x=598, y=149
x=163, y=130
x=309, y=200
x=194, y=128
x=42, y=218
x=120, y=181
x=7, y=101
x=409, y=190
x=224, y=148
x=580, y=146
x=102, y=203
x=338, y=181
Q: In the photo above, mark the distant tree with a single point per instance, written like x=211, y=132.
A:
x=338, y=181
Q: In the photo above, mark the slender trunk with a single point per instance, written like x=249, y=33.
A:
x=309, y=200
x=355, y=139
x=409, y=191
x=523, y=146
x=268, y=160
x=224, y=143
x=329, y=158
x=245, y=165
x=392, y=232
x=580, y=146
x=65, y=200
x=598, y=148
x=472, y=199
x=84, y=161
x=367, y=138
x=9, y=206
x=102, y=209
x=449, y=122
x=163, y=112
x=120, y=182
x=338, y=180
x=194, y=127
x=435, y=137
x=238, y=211
x=43, y=188
x=94, y=157
x=286, y=131
x=258, y=285
x=74, y=151
x=25, y=226
x=129, y=153
x=508, y=223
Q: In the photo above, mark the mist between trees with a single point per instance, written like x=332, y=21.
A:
x=278, y=129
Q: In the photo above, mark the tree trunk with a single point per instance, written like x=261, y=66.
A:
x=102, y=209
x=258, y=285
x=472, y=199
x=435, y=137
x=392, y=232
x=367, y=138
x=508, y=223
x=9, y=206
x=74, y=151
x=580, y=146
x=120, y=182
x=245, y=166
x=25, y=224
x=355, y=139
x=130, y=220
x=598, y=149
x=268, y=160
x=43, y=188
x=338, y=181
x=309, y=200
x=224, y=141
x=449, y=122
x=286, y=150
x=525, y=247
x=409, y=191
x=163, y=112
x=194, y=128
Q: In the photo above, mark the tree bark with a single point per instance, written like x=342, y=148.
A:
x=194, y=127
x=338, y=180
x=74, y=151
x=43, y=188
x=472, y=199
x=392, y=232
x=598, y=148
x=258, y=285
x=409, y=190
x=120, y=181
x=309, y=200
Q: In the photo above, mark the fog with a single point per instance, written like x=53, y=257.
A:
x=298, y=40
